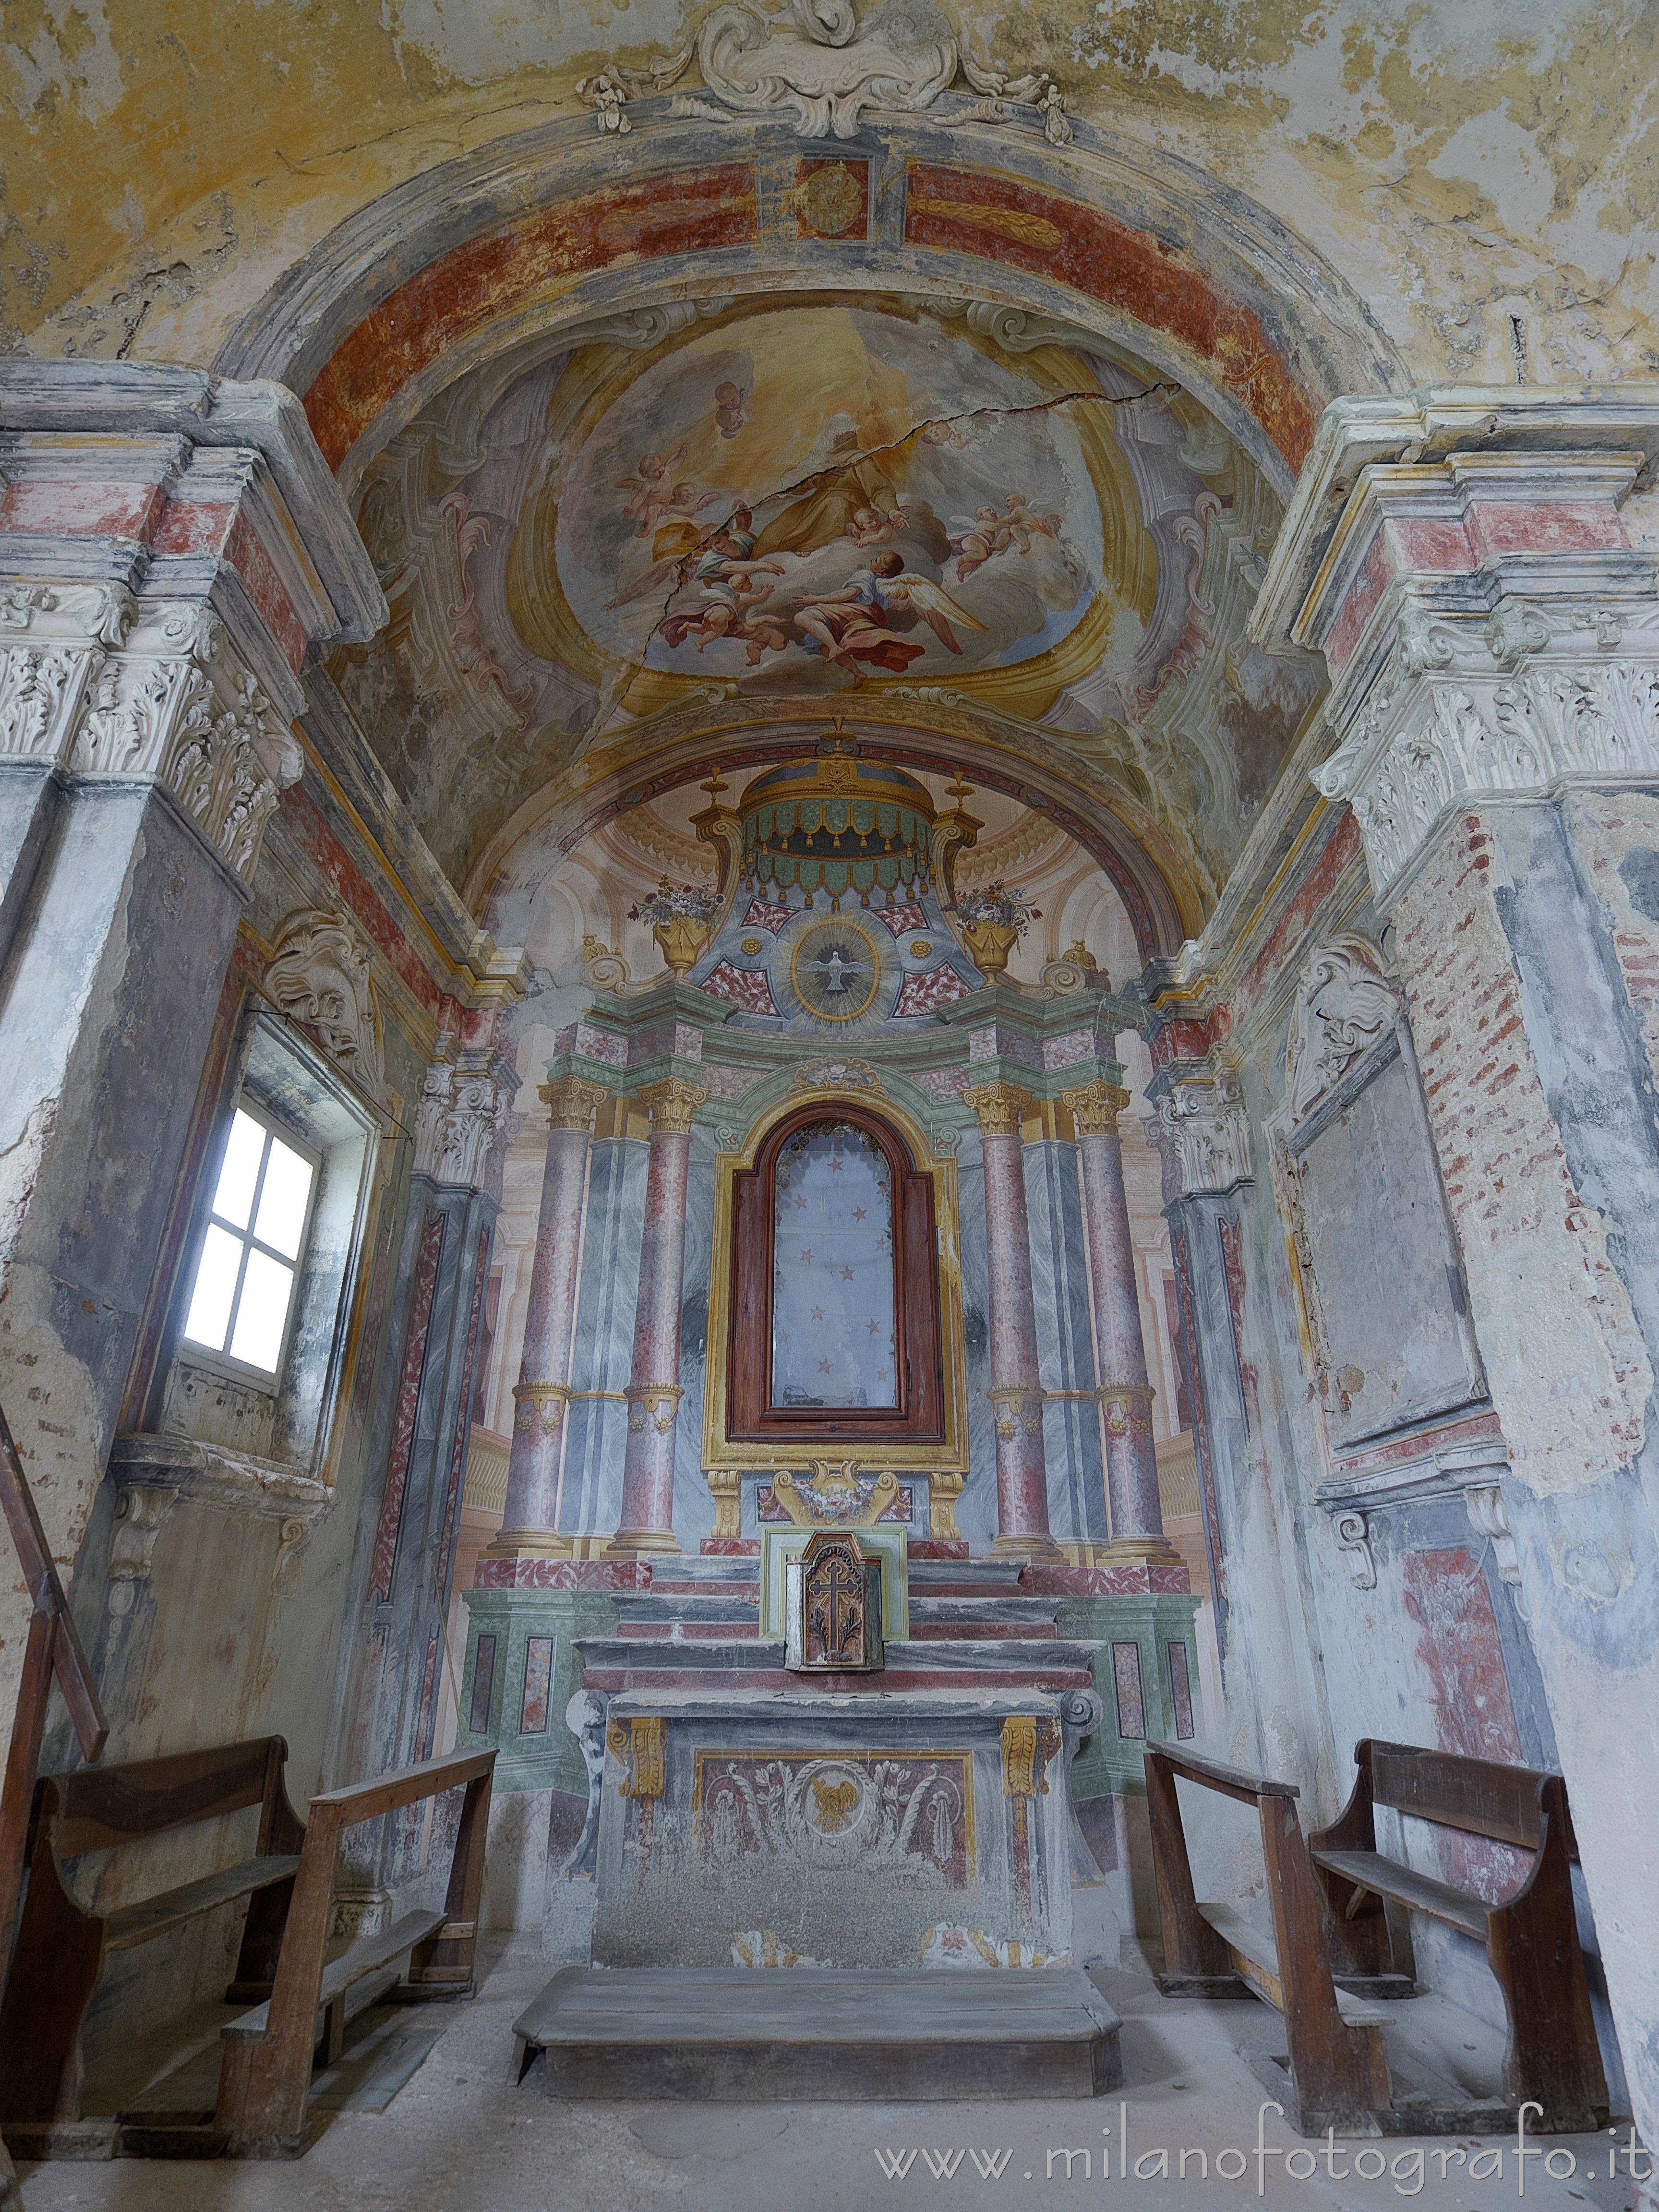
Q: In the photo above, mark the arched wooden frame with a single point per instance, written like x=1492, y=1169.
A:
x=919, y=1417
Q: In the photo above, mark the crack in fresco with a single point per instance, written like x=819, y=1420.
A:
x=607, y=706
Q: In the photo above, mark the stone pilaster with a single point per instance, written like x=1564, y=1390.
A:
x=460, y=1134
x=1126, y=1394
x=542, y=1396
x=1492, y=638
x=654, y=1388
x=1016, y=1392
x=171, y=546
x=1199, y=1131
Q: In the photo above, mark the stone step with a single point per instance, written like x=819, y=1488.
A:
x=640, y=1663
x=704, y=1571
x=752, y=2035
x=982, y=1617
x=680, y=1613
x=965, y=1578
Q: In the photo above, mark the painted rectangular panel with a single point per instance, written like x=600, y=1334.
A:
x=1460, y=1653
x=833, y=1326
x=907, y=1817
x=1384, y=1273
x=1181, y=1689
x=537, y=1685
x=1131, y=1704
x=483, y=1684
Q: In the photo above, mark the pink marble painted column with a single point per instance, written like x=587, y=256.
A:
x=1126, y=1395
x=1016, y=1391
x=543, y=1391
x=654, y=1385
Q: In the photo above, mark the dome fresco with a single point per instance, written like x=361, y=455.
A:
x=819, y=496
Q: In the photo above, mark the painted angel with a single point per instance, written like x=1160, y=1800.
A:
x=935, y=606
x=867, y=619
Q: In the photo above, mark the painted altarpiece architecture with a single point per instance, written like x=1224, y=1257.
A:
x=930, y=795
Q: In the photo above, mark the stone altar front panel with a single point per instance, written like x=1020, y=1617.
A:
x=870, y=1829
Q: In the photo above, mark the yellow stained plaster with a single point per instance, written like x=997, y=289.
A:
x=162, y=162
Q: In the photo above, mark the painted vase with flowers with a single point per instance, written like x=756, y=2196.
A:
x=992, y=922
x=679, y=916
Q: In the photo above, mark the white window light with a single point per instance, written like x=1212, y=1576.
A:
x=244, y=1290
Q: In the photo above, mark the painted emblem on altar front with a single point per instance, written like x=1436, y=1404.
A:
x=909, y=1815
x=815, y=495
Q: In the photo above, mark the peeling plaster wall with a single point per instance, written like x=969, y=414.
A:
x=1465, y=171
x=1413, y=1636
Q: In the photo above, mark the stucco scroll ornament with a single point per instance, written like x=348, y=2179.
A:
x=318, y=977
x=826, y=69
x=1343, y=1008
x=1354, y=1538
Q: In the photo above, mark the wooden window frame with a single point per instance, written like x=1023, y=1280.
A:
x=919, y=1416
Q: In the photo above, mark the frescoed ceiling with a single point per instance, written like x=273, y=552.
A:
x=825, y=498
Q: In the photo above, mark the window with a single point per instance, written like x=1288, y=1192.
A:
x=243, y=1297
x=835, y=1329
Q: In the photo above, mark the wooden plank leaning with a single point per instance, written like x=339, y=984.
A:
x=1338, y=2068
x=264, y=2079
x=52, y=1648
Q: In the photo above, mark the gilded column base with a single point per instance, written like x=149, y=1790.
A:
x=528, y=1544
x=545, y=1544
x=1040, y=1547
x=1158, y=1549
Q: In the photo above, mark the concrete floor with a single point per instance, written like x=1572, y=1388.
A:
x=459, y=2138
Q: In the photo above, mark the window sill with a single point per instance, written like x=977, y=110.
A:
x=211, y=1474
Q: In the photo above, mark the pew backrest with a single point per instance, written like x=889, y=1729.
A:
x=100, y=1808
x=1480, y=1797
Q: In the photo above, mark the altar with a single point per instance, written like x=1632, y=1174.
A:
x=886, y=1309
x=778, y=1828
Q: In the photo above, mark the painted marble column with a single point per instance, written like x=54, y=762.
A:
x=1126, y=1395
x=653, y=1387
x=543, y=1391
x=1016, y=1392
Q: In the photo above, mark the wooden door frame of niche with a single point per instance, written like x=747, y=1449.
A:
x=946, y=1456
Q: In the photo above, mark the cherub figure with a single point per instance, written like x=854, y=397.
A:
x=731, y=409
x=649, y=497
x=867, y=527
x=1019, y=521
x=975, y=537
x=948, y=431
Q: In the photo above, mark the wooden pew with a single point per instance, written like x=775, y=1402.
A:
x=1339, y=2070
x=52, y=1650
x=1531, y=1935
x=62, y=1948
x=265, y=2077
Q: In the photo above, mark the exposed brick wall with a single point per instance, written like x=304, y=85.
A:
x=1564, y=1360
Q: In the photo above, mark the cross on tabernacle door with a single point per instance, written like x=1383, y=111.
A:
x=835, y=1607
